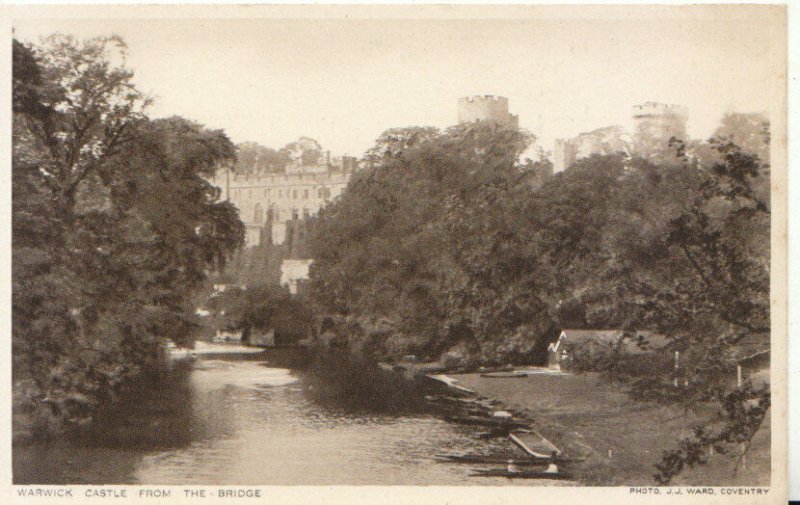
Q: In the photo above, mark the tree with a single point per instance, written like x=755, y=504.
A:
x=392, y=142
x=263, y=308
x=680, y=246
x=305, y=151
x=94, y=110
x=252, y=158
x=383, y=252
x=720, y=305
x=444, y=244
x=104, y=265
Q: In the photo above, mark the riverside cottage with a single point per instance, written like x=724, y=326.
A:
x=559, y=353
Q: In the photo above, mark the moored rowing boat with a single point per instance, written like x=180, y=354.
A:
x=497, y=459
x=520, y=474
x=488, y=421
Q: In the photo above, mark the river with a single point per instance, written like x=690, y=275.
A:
x=239, y=420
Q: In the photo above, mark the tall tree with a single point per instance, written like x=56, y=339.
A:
x=104, y=264
x=381, y=252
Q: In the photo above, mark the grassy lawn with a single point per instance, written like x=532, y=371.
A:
x=584, y=415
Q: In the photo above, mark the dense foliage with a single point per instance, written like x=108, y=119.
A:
x=443, y=247
x=261, y=309
x=381, y=252
x=115, y=225
x=253, y=158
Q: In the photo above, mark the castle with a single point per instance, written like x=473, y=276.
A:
x=312, y=178
x=654, y=125
x=485, y=108
x=267, y=201
x=275, y=198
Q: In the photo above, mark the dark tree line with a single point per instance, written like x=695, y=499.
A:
x=444, y=248
x=261, y=309
x=115, y=226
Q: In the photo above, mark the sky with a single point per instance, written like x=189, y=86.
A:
x=344, y=81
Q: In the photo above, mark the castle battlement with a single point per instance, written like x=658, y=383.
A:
x=276, y=180
x=659, y=109
x=485, y=108
x=484, y=98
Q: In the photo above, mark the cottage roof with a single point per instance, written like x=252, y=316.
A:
x=583, y=336
x=642, y=341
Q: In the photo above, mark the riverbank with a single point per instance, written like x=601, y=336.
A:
x=223, y=393
x=586, y=416
x=247, y=422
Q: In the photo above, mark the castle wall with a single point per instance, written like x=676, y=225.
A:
x=608, y=140
x=563, y=155
x=485, y=108
x=278, y=198
x=655, y=124
x=294, y=272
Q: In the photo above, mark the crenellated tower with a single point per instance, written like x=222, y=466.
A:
x=485, y=108
x=655, y=124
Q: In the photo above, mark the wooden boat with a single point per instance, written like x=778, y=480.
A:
x=521, y=474
x=488, y=421
x=489, y=460
x=534, y=444
x=451, y=399
x=495, y=433
x=504, y=375
x=449, y=382
x=499, y=459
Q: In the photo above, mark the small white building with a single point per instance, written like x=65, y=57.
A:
x=228, y=336
x=293, y=272
x=262, y=338
x=561, y=351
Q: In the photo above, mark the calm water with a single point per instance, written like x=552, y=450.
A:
x=245, y=422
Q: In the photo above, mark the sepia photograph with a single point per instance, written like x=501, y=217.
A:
x=476, y=247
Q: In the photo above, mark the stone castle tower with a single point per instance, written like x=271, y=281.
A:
x=654, y=124
x=486, y=108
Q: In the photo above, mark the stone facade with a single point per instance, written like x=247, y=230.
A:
x=607, y=140
x=486, y=108
x=293, y=274
x=278, y=198
x=654, y=125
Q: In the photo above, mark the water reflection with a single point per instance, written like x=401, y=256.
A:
x=244, y=423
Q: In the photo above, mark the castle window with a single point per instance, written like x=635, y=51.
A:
x=305, y=194
x=306, y=213
x=321, y=193
x=294, y=194
x=294, y=214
